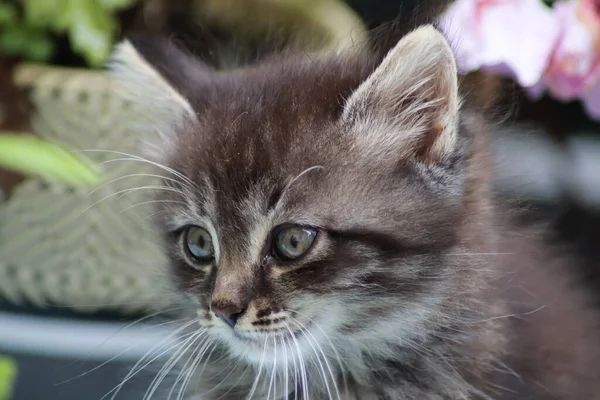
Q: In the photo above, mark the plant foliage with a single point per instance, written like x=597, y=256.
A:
x=27, y=27
x=33, y=156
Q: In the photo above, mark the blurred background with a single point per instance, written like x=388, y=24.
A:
x=83, y=291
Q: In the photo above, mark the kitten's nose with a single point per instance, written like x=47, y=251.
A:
x=228, y=313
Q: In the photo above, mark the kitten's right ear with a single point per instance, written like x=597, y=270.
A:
x=162, y=80
x=408, y=107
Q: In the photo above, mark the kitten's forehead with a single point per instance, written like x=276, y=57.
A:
x=266, y=125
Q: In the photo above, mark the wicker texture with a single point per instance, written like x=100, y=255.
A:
x=69, y=247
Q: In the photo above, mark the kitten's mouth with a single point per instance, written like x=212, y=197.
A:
x=269, y=335
x=276, y=346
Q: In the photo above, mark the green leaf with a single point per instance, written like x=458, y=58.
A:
x=13, y=40
x=91, y=30
x=117, y=4
x=52, y=14
x=33, y=156
x=39, y=48
x=8, y=14
x=26, y=41
x=8, y=374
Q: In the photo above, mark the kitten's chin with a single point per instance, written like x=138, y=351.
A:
x=271, y=349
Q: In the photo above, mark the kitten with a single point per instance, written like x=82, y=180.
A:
x=332, y=227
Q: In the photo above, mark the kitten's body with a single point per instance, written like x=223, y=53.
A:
x=417, y=288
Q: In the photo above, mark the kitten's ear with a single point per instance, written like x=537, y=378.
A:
x=161, y=80
x=408, y=107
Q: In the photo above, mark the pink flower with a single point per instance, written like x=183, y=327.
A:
x=515, y=37
x=588, y=12
x=574, y=68
x=543, y=49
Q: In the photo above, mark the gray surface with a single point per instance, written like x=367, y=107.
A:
x=76, y=359
x=43, y=378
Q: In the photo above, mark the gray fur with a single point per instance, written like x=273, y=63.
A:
x=407, y=292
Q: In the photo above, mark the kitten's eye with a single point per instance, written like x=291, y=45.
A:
x=198, y=243
x=294, y=241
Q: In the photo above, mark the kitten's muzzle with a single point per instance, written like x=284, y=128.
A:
x=229, y=313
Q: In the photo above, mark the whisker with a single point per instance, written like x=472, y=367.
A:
x=225, y=380
x=125, y=192
x=301, y=174
x=303, y=377
x=193, y=356
x=285, y=362
x=341, y=364
x=213, y=348
x=190, y=373
x=171, y=362
x=197, y=363
x=479, y=254
x=136, y=368
x=183, y=184
x=272, y=379
x=151, y=202
x=317, y=349
x=88, y=305
x=120, y=353
x=256, y=378
x=154, y=214
x=142, y=159
x=162, y=177
x=235, y=385
x=295, y=373
x=318, y=353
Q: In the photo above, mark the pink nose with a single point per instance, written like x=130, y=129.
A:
x=228, y=313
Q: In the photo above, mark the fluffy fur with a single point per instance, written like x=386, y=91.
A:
x=416, y=287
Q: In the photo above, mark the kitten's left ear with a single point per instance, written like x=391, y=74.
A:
x=408, y=107
x=162, y=80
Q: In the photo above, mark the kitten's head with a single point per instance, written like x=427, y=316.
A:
x=312, y=199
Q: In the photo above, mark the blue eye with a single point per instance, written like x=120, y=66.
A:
x=294, y=241
x=199, y=244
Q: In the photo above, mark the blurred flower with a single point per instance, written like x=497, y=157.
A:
x=544, y=49
x=588, y=12
x=515, y=37
x=574, y=68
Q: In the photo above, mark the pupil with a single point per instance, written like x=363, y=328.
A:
x=294, y=241
x=201, y=242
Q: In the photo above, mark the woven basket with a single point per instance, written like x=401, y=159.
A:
x=85, y=249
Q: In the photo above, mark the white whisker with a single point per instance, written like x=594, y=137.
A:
x=133, y=157
x=125, y=192
x=301, y=174
x=191, y=360
x=136, y=368
x=226, y=378
x=162, y=177
x=152, y=202
x=303, y=377
x=122, y=352
x=271, y=380
x=329, y=369
x=256, y=378
x=171, y=362
x=335, y=351
x=318, y=353
x=286, y=390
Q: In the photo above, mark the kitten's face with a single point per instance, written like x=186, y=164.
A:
x=314, y=203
